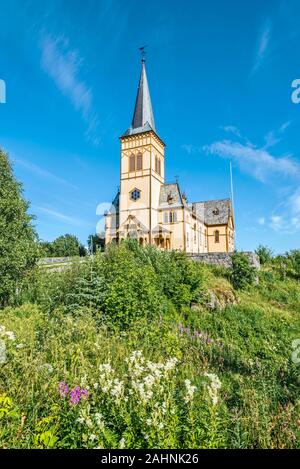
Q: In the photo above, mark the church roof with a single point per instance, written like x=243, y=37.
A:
x=213, y=212
x=143, y=119
x=170, y=196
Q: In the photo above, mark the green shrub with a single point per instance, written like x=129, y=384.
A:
x=243, y=274
x=264, y=253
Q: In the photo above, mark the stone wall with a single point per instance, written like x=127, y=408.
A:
x=224, y=258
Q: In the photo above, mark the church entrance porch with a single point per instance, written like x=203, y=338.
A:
x=162, y=242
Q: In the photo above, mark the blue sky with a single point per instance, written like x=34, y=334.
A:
x=220, y=77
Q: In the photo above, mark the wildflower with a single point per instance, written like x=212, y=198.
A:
x=160, y=426
x=10, y=335
x=88, y=422
x=122, y=443
x=149, y=422
x=47, y=367
x=63, y=389
x=190, y=390
x=213, y=387
x=84, y=393
x=99, y=420
x=81, y=420
x=92, y=437
x=106, y=368
x=18, y=346
x=75, y=394
x=3, y=356
x=117, y=389
x=170, y=364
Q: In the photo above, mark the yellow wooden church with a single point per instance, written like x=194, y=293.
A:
x=147, y=209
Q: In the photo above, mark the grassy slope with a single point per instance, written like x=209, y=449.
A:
x=247, y=345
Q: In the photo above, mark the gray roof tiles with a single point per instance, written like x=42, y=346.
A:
x=211, y=212
x=143, y=119
x=170, y=196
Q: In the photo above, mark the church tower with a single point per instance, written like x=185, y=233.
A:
x=152, y=211
x=142, y=169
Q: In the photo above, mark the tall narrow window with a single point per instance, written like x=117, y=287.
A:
x=139, y=162
x=217, y=236
x=166, y=217
x=157, y=165
x=205, y=238
x=172, y=217
x=132, y=163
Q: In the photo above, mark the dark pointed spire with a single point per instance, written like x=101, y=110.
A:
x=143, y=113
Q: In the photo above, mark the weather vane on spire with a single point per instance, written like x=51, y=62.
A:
x=143, y=52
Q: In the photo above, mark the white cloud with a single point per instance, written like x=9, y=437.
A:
x=64, y=65
x=263, y=45
x=274, y=136
x=189, y=148
x=284, y=126
x=264, y=166
x=276, y=222
x=257, y=162
x=232, y=129
x=294, y=202
x=60, y=216
x=34, y=169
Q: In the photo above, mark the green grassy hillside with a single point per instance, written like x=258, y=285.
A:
x=145, y=349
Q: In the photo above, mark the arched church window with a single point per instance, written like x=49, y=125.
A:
x=132, y=163
x=139, y=162
x=217, y=236
x=165, y=217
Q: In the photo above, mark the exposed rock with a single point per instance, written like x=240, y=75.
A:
x=217, y=298
x=224, y=258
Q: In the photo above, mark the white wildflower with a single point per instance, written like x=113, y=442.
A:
x=117, y=389
x=18, y=346
x=99, y=420
x=92, y=437
x=80, y=420
x=122, y=443
x=10, y=335
x=3, y=356
x=88, y=422
x=213, y=387
x=160, y=426
x=47, y=367
x=170, y=364
x=149, y=422
x=106, y=368
x=190, y=390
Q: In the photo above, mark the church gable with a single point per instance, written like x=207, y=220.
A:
x=170, y=196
